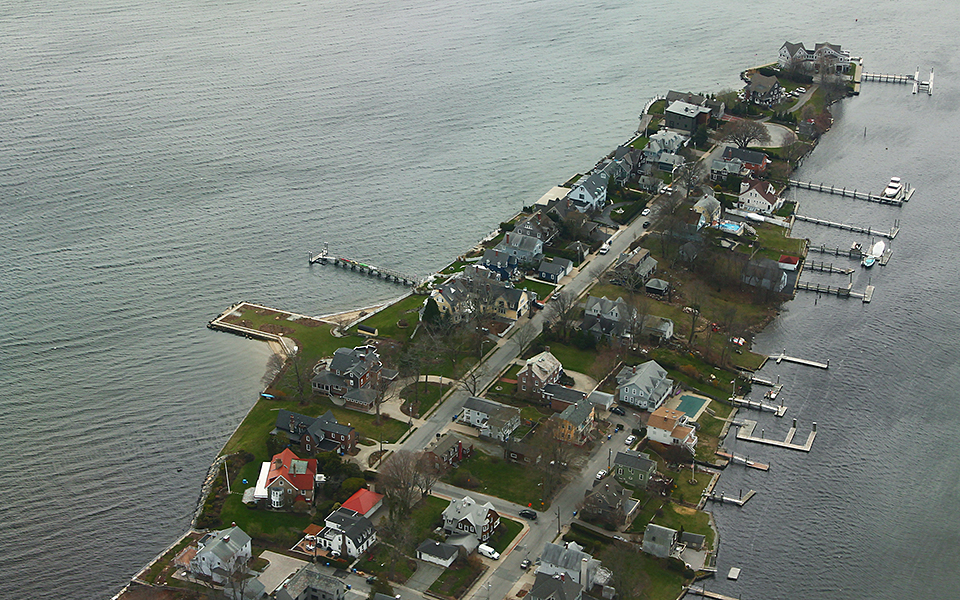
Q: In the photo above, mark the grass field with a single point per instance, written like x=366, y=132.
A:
x=542, y=289
x=426, y=397
x=386, y=320
x=497, y=477
x=679, y=517
x=505, y=534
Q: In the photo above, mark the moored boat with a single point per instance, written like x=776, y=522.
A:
x=893, y=189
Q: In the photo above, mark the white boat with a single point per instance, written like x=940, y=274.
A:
x=893, y=188
x=876, y=251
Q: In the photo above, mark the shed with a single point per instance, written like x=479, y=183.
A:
x=438, y=553
x=657, y=286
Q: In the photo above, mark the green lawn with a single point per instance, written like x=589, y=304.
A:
x=679, y=517
x=497, y=477
x=426, y=397
x=774, y=239
x=380, y=560
x=505, y=534
x=542, y=289
x=645, y=515
x=572, y=358
x=455, y=581
x=426, y=515
x=386, y=320
x=658, y=107
x=640, y=143
x=647, y=577
x=268, y=527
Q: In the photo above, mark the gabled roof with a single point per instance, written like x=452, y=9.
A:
x=762, y=84
x=300, y=473
x=551, y=268
x=354, y=525
x=363, y=501
x=563, y=393
x=438, y=549
x=542, y=365
x=577, y=413
x=310, y=577
x=446, y=442
x=746, y=155
x=316, y=426
x=707, y=205
x=632, y=459
x=595, y=184
x=467, y=508
x=519, y=241
x=547, y=587
x=568, y=557
x=225, y=544
x=761, y=187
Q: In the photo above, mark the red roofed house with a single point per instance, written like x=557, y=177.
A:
x=789, y=263
x=364, y=502
x=286, y=479
x=759, y=196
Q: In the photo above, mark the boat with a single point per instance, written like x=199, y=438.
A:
x=871, y=257
x=893, y=189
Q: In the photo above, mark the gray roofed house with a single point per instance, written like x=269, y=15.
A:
x=716, y=107
x=537, y=225
x=465, y=516
x=524, y=247
x=693, y=540
x=657, y=327
x=657, y=286
x=608, y=501
x=634, y=269
x=554, y=270
x=607, y=318
x=721, y=169
x=627, y=161
x=644, y=386
x=347, y=533
x=360, y=399
x=659, y=541
x=560, y=397
x=590, y=193
x=546, y=587
x=601, y=400
x=709, y=208
x=575, y=423
x=763, y=89
x=350, y=368
x=633, y=468
x=765, y=273
x=493, y=419
x=438, y=552
x=316, y=433
x=751, y=159
x=219, y=553
x=309, y=583
x=500, y=262
x=571, y=561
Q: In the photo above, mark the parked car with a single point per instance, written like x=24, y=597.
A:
x=631, y=439
x=646, y=224
x=526, y=513
x=372, y=579
x=619, y=538
x=601, y=474
x=525, y=564
x=488, y=551
x=619, y=427
x=618, y=411
x=645, y=212
x=802, y=90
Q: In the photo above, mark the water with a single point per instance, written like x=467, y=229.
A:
x=161, y=162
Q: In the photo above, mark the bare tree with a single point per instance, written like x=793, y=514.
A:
x=689, y=176
x=696, y=299
x=562, y=309
x=555, y=458
x=743, y=132
x=428, y=474
x=398, y=481
x=472, y=382
x=524, y=336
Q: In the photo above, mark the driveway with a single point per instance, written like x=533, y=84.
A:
x=780, y=136
x=424, y=576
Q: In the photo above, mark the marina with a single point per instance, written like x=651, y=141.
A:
x=748, y=427
x=897, y=200
x=855, y=252
x=825, y=268
x=891, y=234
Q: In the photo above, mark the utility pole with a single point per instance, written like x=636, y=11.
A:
x=558, y=520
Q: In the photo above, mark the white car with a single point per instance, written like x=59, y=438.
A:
x=601, y=474
x=645, y=212
x=802, y=90
x=630, y=439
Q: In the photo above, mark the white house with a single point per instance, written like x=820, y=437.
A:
x=645, y=386
x=438, y=553
x=221, y=553
x=491, y=418
x=671, y=427
x=346, y=533
x=466, y=517
x=569, y=561
x=590, y=193
x=759, y=196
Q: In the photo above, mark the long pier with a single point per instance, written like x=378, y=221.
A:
x=858, y=195
x=742, y=460
x=854, y=253
x=722, y=499
x=800, y=361
x=744, y=403
x=885, y=78
x=825, y=268
x=747, y=429
x=323, y=257
x=705, y=593
x=891, y=234
x=841, y=292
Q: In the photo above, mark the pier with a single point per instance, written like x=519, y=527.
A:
x=825, y=268
x=891, y=234
x=742, y=460
x=800, y=361
x=854, y=253
x=703, y=592
x=902, y=197
x=746, y=433
x=885, y=78
x=722, y=499
x=744, y=403
x=324, y=258
x=841, y=292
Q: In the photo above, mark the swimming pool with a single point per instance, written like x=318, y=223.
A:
x=730, y=227
x=691, y=405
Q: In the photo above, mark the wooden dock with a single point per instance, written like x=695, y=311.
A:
x=841, y=292
x=742, y=460
x=744, y=403
x=800, y=361
x=854, y=193
x=825, y=268
x=705, y=593
x=853, y=253
x=891, y=234
x=722, y=499
x=324, y=258
x=885, y=78
x=746, y=432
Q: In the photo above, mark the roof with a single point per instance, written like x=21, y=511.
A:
x=548, y=587
x=363, y=501
x=762, y=84
x=606, y=307
x=301, y=473
x=577, y=413
x=686, y=110
x=543, y=365
x=446, y=442
x=707, y=204
x=316, y=426
x=568, y=557
x=552, y=268
x=522, y=242
x=664, y=418
x=563, y=393
x=362, y=396
x=310, y=577
x=467, y=508
x=438, y=549
x=658, y=284
x=225, y=544
x=595, y=184
x=354, y=525
x=632, y=459
x=754, y=157
x=658, y=531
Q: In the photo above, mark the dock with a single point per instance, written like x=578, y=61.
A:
x=744, y=403
x=886, y=78
x=761, y=381
x=800, y=361
x=722, y=499
x=839, y=291
x=891, y=234
x=856, y=194
x=854, y=253
x=825, y=268
x=703, y=592
x=742, y=460
x=746, y=433
x=324, y=258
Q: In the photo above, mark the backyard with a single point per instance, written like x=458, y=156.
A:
x=496, y=477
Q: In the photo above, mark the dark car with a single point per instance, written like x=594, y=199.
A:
x=619, y=427
x=372, y=579
x=646, y=224
x=618, y=411
x=526, y=513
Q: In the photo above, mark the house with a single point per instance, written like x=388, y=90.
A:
x=493, y=419
x=504, y=264
x=538, y=225
x=716, y=107
x=644, y=386
x=765, y=273
x=754, y=160
x=657, y=327
x=601, y=400
x=633, y=468
x=550, y=199
x=555, y=269
x=525, y=248
x=508, y=302
x=607, y=318
x=560, y=397
x=575, y=423
x=546, y=587
x=721, y=169
x=657, y=286
x=221, y=554
x=350, y=369
x=659, y=541
x=794, y=57
x=569, y=561
x=664, y=141
x=763, y=89
x=452, y=298
x=607, y=502
x=310, y=583
x=438, y=553
x=758, y=196
x=709, y=209
x=627, y=161
x=789, y=263
x=465, y=516
x=671, y=428
x=450, y=450
x=520, y=452
x=315, y=434
x=590, y=192
x=633, y=270
x=686, y=117
x=537, y=372
x=364, y=502
x=346, y=533
x=286, y=479
x=797, y=57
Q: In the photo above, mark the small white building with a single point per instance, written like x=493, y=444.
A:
x=759, y=196
x=438, y=553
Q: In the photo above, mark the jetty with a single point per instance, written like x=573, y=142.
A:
x=840, y=291
x=722, y=499
x=746, y=433
x=742, y=460
x=744, y=403
x=324, y=258
x=898, y=200
x=800, y=361
x=891, y=234
x=825, y=268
